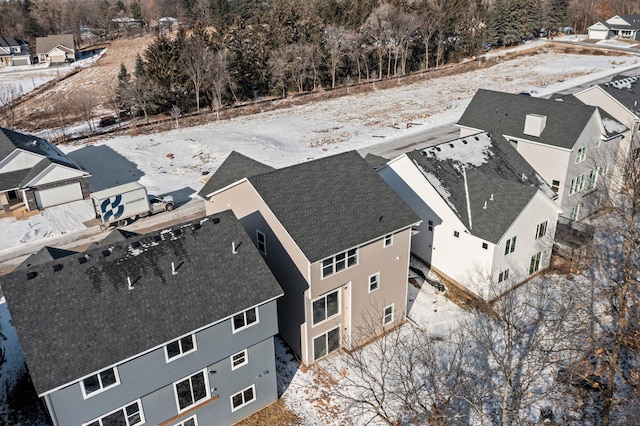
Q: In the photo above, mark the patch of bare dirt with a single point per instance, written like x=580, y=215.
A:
x=276, y=414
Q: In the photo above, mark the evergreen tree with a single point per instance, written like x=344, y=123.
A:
x=556, y=14
x=139, y=67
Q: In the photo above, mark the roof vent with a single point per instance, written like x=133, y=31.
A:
x=476, y=138
x=216, y=220
x=31, y=275
x=234, y=249
x=485, y=205
x=464, y=141
x=174, y=271
x=491, y=198
x=534, y=124
x=83, y=259
x=438, y=148
x=57, y=267
x=451, y=145
x=136, y=244
x=129, y=283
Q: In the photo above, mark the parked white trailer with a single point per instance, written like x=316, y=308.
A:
x=120, y=204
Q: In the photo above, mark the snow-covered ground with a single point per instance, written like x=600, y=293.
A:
x=20, y=80
x=180, y=161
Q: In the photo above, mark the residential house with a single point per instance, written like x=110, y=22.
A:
x=488, y=219
x=56, y=49
x=170, y=328
x=14, y=52
x=568, y=144
x=337, y=239
x=36, y=172
x=619, y=98
x=620, y=26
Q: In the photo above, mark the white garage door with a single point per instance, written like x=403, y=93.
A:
x=58, y=195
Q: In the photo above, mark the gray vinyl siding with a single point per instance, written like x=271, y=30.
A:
x=294, y=284
x=150, y=378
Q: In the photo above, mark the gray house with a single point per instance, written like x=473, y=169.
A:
x=626, y=27
x=36, y=172
x=14, y=52
x=572, y=146
x=170, y=328
x=336, y=237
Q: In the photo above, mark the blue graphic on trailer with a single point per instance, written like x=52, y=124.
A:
x=111, y=207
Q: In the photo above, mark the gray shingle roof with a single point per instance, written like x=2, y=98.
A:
x=505, y=114
x=632, y=20
x=333, y=204
x=11, y=180
x=612, y=126
x=375, y=160
x=44, y=255
x=235, y=167
x=48, y=43
x=76, y=315
x=495, y=174
x=625, y=90
x=11, y=140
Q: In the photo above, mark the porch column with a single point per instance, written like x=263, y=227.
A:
x=4, y=200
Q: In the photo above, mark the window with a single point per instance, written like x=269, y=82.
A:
x=239, y=359
x=485, y=246
x=100, y=382
x=374, y=282
x=261, y=242
x=129, y=415
x=535, y=263
x=326, y=343
x=430, y=225
x=577, y=184
x=326, y=307
x=541, y=230
x=339, y=262
x=387, y=316
x=388, y=240
x=511, y=246
x=581, y=155
x=513, y=143
x=245, y=319
x=593, y=178
x=180, y=347
x=555, y=186
x=191, y=421
x=242, y=398
x=575, y=211
x=456, y=234
x=191, y=390
x=503, y=276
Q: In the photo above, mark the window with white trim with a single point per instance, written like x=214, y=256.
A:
x=575, y=211
x=503, y=276
x=374, y=282
x=261, y=242
x=129, y=415
x=577, y=183
x=555, y=186
x=388, y=240
x=326, y=343
x=485, y=246
x=541, y=230
x=326, y=307
x=180, y=347
x=593, y=178
x=239, y=359
x=191, y=390
x=430, y=225
x=581, y=155
x=245, y=319
x=191, y=421
x=243, y=397
x=339, y=262
x=100, y=382
x=456, y=234
x=387, y=316
x=535, y=263
x=511, y=246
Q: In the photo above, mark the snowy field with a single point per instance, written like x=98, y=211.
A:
x=179, y=161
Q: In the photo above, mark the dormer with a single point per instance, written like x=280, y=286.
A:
x=534, y=124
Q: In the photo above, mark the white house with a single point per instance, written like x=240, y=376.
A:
x=488, y=219
x=571, y=145
x=620, y=26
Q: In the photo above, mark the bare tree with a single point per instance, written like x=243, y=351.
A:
x=219, y=78
x=196, y=60
x=335, y=41
x=430, y=19
x=9, y=94
x=85, y=105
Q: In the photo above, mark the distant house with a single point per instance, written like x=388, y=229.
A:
x=336, y=237
x=620, y=26
x=488, y=219
x=170, y=328
x=570, y=145
x=14, y=52
x=36, y=172
x=56, y=49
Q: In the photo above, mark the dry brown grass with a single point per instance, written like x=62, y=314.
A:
x=276, y=414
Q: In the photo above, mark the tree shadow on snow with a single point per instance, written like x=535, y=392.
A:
x=107, y=167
